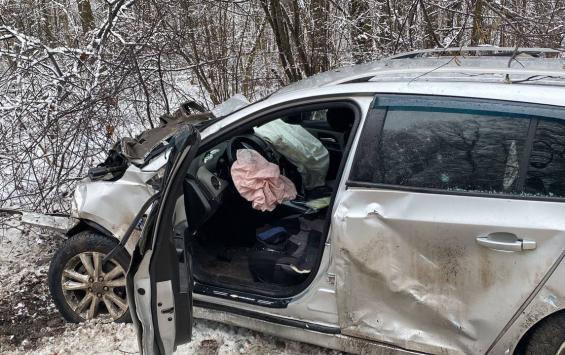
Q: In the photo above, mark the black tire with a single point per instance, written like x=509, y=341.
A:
x=85, y=241
x=547, y=337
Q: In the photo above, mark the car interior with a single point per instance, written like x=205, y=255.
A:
x=272, y=252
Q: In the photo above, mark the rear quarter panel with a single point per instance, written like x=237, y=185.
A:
x=549, y=299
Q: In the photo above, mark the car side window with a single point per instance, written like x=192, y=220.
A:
x=451, y=149
x=318, y=115
x=546, y=168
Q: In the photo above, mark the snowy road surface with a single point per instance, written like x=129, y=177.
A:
x=30, y=324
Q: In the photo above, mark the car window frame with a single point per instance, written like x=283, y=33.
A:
x=268, y=114
x=377, y=115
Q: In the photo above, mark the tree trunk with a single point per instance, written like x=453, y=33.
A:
x=46, y=21
x=274, y=13
x=431, y=40
x=361, y=31
x=86, y=15
x=477, y=30
x=319, y=61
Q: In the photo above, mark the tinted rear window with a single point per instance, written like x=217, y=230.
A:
x=546, y=168
x=452, y=149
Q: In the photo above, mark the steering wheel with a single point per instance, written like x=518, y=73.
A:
x=250, y=141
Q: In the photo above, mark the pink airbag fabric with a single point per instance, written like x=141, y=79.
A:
x=260, y=182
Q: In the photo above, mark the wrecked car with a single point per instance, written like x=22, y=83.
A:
x=409, y=205
x=85, y=281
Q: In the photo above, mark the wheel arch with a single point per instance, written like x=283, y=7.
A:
x=519, y=350
x=84, y=224
x=546, y=302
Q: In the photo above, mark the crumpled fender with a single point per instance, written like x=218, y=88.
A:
x=112, y=205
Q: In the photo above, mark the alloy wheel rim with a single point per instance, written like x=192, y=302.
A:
x=93, y=290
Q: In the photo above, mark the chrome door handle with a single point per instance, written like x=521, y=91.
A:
x=505, y=241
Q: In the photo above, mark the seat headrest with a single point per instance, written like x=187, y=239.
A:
x=340, y=118
x=295, y=118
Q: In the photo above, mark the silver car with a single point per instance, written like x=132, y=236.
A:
x=439, y=226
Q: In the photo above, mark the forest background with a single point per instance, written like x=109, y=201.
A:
x=76, y=75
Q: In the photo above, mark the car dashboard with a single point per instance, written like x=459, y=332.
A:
x=210, y=169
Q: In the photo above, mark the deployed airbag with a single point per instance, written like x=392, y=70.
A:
x=301, y=148
x=260, y=181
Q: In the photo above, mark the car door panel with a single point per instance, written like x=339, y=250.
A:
x=443, y=263
x=414, y=275
x=161, y=301
x=139, y=300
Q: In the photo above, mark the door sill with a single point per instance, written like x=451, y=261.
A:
x=268, y=318
x=306, y=332
x=239, y=296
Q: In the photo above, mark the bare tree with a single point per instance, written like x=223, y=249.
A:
x=75, y=75
x=361, y=29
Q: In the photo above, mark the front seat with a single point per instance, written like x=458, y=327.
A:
x=340, y=120
x=283, y=259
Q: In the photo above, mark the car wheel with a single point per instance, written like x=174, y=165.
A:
x=547, y=337
x=82, y=288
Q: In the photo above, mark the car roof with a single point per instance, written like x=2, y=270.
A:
x=528, y=66
x=506, y=74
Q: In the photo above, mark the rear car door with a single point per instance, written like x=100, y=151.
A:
x=159, y=280
x=451, y=219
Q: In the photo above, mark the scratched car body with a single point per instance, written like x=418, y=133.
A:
x=443, y=231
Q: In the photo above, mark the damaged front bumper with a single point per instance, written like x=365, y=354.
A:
x=57, y=223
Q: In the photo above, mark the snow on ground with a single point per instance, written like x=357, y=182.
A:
x=30, y=323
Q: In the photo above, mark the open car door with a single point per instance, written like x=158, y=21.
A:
x=159, y=280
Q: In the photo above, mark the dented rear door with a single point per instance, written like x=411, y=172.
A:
x=450, y=221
